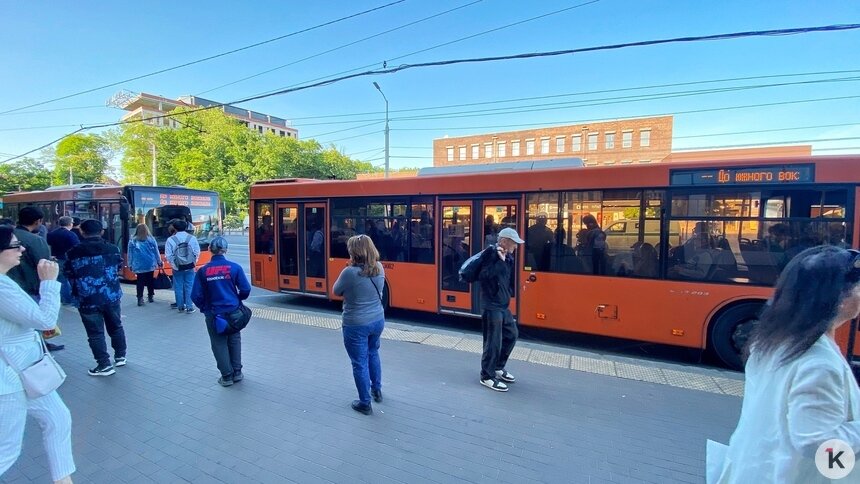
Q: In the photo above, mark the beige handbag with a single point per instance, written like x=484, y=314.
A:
x=43, y=376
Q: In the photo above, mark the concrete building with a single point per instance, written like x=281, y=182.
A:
x=619, y=142
x=151, y=106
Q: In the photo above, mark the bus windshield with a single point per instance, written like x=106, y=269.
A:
x=158, y=206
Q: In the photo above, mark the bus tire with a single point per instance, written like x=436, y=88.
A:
x=730, y=332
x=386, y=297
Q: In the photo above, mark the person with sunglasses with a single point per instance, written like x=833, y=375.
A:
x=799, y=391
x=20, y=348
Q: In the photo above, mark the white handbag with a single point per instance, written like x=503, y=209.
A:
x=43, y=376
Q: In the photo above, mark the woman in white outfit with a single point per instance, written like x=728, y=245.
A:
x=799, y=391
x=19, y=317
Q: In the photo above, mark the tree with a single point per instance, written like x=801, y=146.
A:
x=24, y=175
x=86, y=155
x=212, y=151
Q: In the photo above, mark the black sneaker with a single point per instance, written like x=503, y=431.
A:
x=119, y=361
x=102, y=370
x=225, y=382
x=173, y=305
x=361, y=408
x=238, y=376
x=494, y=384
x=53, y=347
x=151, y=299
x=190, y=310
x=377, y=395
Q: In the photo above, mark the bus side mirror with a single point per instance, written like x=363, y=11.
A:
x=124, y=212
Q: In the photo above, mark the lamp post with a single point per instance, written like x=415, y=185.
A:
x=386, y=126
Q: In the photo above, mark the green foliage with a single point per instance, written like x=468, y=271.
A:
x=25, y=174
x=86, y=155
x=212, y=151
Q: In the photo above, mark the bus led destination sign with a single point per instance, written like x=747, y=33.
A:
x=764, y=175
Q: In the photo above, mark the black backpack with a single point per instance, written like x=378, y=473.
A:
x=471, y=268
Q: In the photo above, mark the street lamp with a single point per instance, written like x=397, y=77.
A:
x=386, y=126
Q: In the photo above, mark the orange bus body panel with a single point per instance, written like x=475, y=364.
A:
x=653, y=310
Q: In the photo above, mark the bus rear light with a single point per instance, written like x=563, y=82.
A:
x=677, y=332
x=541, y=316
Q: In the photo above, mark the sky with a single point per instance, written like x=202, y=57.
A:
x=53, y=49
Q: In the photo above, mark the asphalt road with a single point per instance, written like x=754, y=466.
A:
x=239, y=253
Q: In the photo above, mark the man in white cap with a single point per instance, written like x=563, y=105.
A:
x=500, y=331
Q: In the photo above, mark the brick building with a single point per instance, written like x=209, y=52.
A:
x=619, y=142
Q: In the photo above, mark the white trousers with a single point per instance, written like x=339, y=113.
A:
x=55, y=420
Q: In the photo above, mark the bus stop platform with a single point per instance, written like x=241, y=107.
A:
x=571, y=417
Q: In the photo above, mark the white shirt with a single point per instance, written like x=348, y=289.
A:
x=19, y=316
x=173, y=242
x=787, y=413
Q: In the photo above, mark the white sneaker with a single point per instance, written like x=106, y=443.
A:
x=494, y=384
x=505, y=376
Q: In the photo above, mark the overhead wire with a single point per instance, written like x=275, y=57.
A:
x=343, y=46
x=205, y=59
x=384, y=62
x=728, y=36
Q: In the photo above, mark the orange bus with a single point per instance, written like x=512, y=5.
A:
x=122, y=208
x=692, y=249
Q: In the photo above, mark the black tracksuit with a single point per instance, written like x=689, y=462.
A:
x=499, y=329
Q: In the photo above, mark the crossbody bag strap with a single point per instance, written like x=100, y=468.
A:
x=374, y=286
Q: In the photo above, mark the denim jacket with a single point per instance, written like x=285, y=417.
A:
x=143, y=255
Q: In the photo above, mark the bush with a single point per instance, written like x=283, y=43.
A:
x=233, y=222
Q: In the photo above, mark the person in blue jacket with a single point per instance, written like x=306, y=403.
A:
x=143, y=258
x=219, y=287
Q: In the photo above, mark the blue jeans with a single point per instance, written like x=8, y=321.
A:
x=182, y=282
x=362, y=345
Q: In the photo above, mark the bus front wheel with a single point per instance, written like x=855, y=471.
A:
x=731, y=331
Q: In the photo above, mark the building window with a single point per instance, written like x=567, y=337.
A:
x=544, y=146
x=592, y=141
x=450, y=150
x=530, y=147
x=610, y=141
x=576, y=143
x=502, y=153
x=515, y=148
x=488, y=150
x=462, y=153
x=282, y=133
x=260, y=129
x=645, y=137
x=475, y=152
x=627, y=139
x=559, y=144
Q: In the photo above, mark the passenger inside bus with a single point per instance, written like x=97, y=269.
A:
x=539, y=238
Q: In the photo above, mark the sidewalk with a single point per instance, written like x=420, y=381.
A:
x=163, y=418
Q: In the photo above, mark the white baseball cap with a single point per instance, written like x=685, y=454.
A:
x=509, y=233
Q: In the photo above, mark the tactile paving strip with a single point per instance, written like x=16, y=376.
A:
x=664, y=376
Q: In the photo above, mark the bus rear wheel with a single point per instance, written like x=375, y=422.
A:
x=730, y=332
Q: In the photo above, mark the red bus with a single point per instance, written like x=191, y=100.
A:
x=122, y=208
x=692, y=249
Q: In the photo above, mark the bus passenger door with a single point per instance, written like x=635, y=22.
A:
x=495, y=216
x=314, y=248
x=263, y=269
x=456, y=246
x=288, y=247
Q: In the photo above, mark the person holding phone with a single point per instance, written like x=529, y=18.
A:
x=20, y=348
